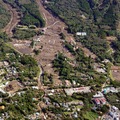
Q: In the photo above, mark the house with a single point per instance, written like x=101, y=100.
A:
x=109, y=89
x=114, y=108
x=35, y=87
x=96, y=101
x=6, y=63
x=70, y=91
x=81, y=33
x=100, y=70
x=67, y=83
x=114, y=113
x=75, y=115
x=102, y=100
x=99, y=94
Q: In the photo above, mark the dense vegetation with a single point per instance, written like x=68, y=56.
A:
x=24, y=33
x=4, y=16
x=30, y=13
x=116, y=47
x=113, y=99
x=24, y=102
x=97, y=18
x=81, y=71
x=21, y=105
x=27, y=67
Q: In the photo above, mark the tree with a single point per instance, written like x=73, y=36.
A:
x=105, y=109
x=32, y=43
x=36, y=51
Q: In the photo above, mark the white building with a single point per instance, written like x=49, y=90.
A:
x=81, y=33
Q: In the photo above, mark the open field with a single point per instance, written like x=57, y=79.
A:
x=13, y=86
x=116, y=72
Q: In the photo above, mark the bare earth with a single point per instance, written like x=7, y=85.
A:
x=116, y=72
x=50, y=42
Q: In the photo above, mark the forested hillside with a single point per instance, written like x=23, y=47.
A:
x=29, y=18
x=29, y=12
x=97, y=18
x=4, y=16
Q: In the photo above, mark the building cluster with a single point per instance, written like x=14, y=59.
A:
x=113, y=114
x=70, y=91
x=99, y=100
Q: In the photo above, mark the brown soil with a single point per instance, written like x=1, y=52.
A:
x=13, y=86
x=116, y=72
x=111, y=38
x=51, y=43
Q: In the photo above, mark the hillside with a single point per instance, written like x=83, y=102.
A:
x=102, y=13
x=97, y=18
x=28, y=18
x=4, y=15
x=60, y=60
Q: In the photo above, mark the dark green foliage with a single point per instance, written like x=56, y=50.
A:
x=110, y=17
x=22, y=105
x=30, y=11
x=29, y=20
x=83, y=66
x=105, y=109
x=62, y=36
x=32, y=16
x=28, y=60
x=70, y=47
x=84, y=6
x=24, y=34
x=36, y=51
x=62, y=65
x=4, y=37
x=4, y=17
x=116, y=46
x=97, y=46
x=24, y=63
x=113, y=99
x=99, y=16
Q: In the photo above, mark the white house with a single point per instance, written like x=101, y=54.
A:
x=81, y=33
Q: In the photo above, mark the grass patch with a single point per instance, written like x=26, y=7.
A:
x=90, y=116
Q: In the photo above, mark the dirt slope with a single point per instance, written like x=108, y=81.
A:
x=51, y=42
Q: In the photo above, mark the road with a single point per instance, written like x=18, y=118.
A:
x=39, y=77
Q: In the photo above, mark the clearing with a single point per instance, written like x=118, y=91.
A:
x=116, y=72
